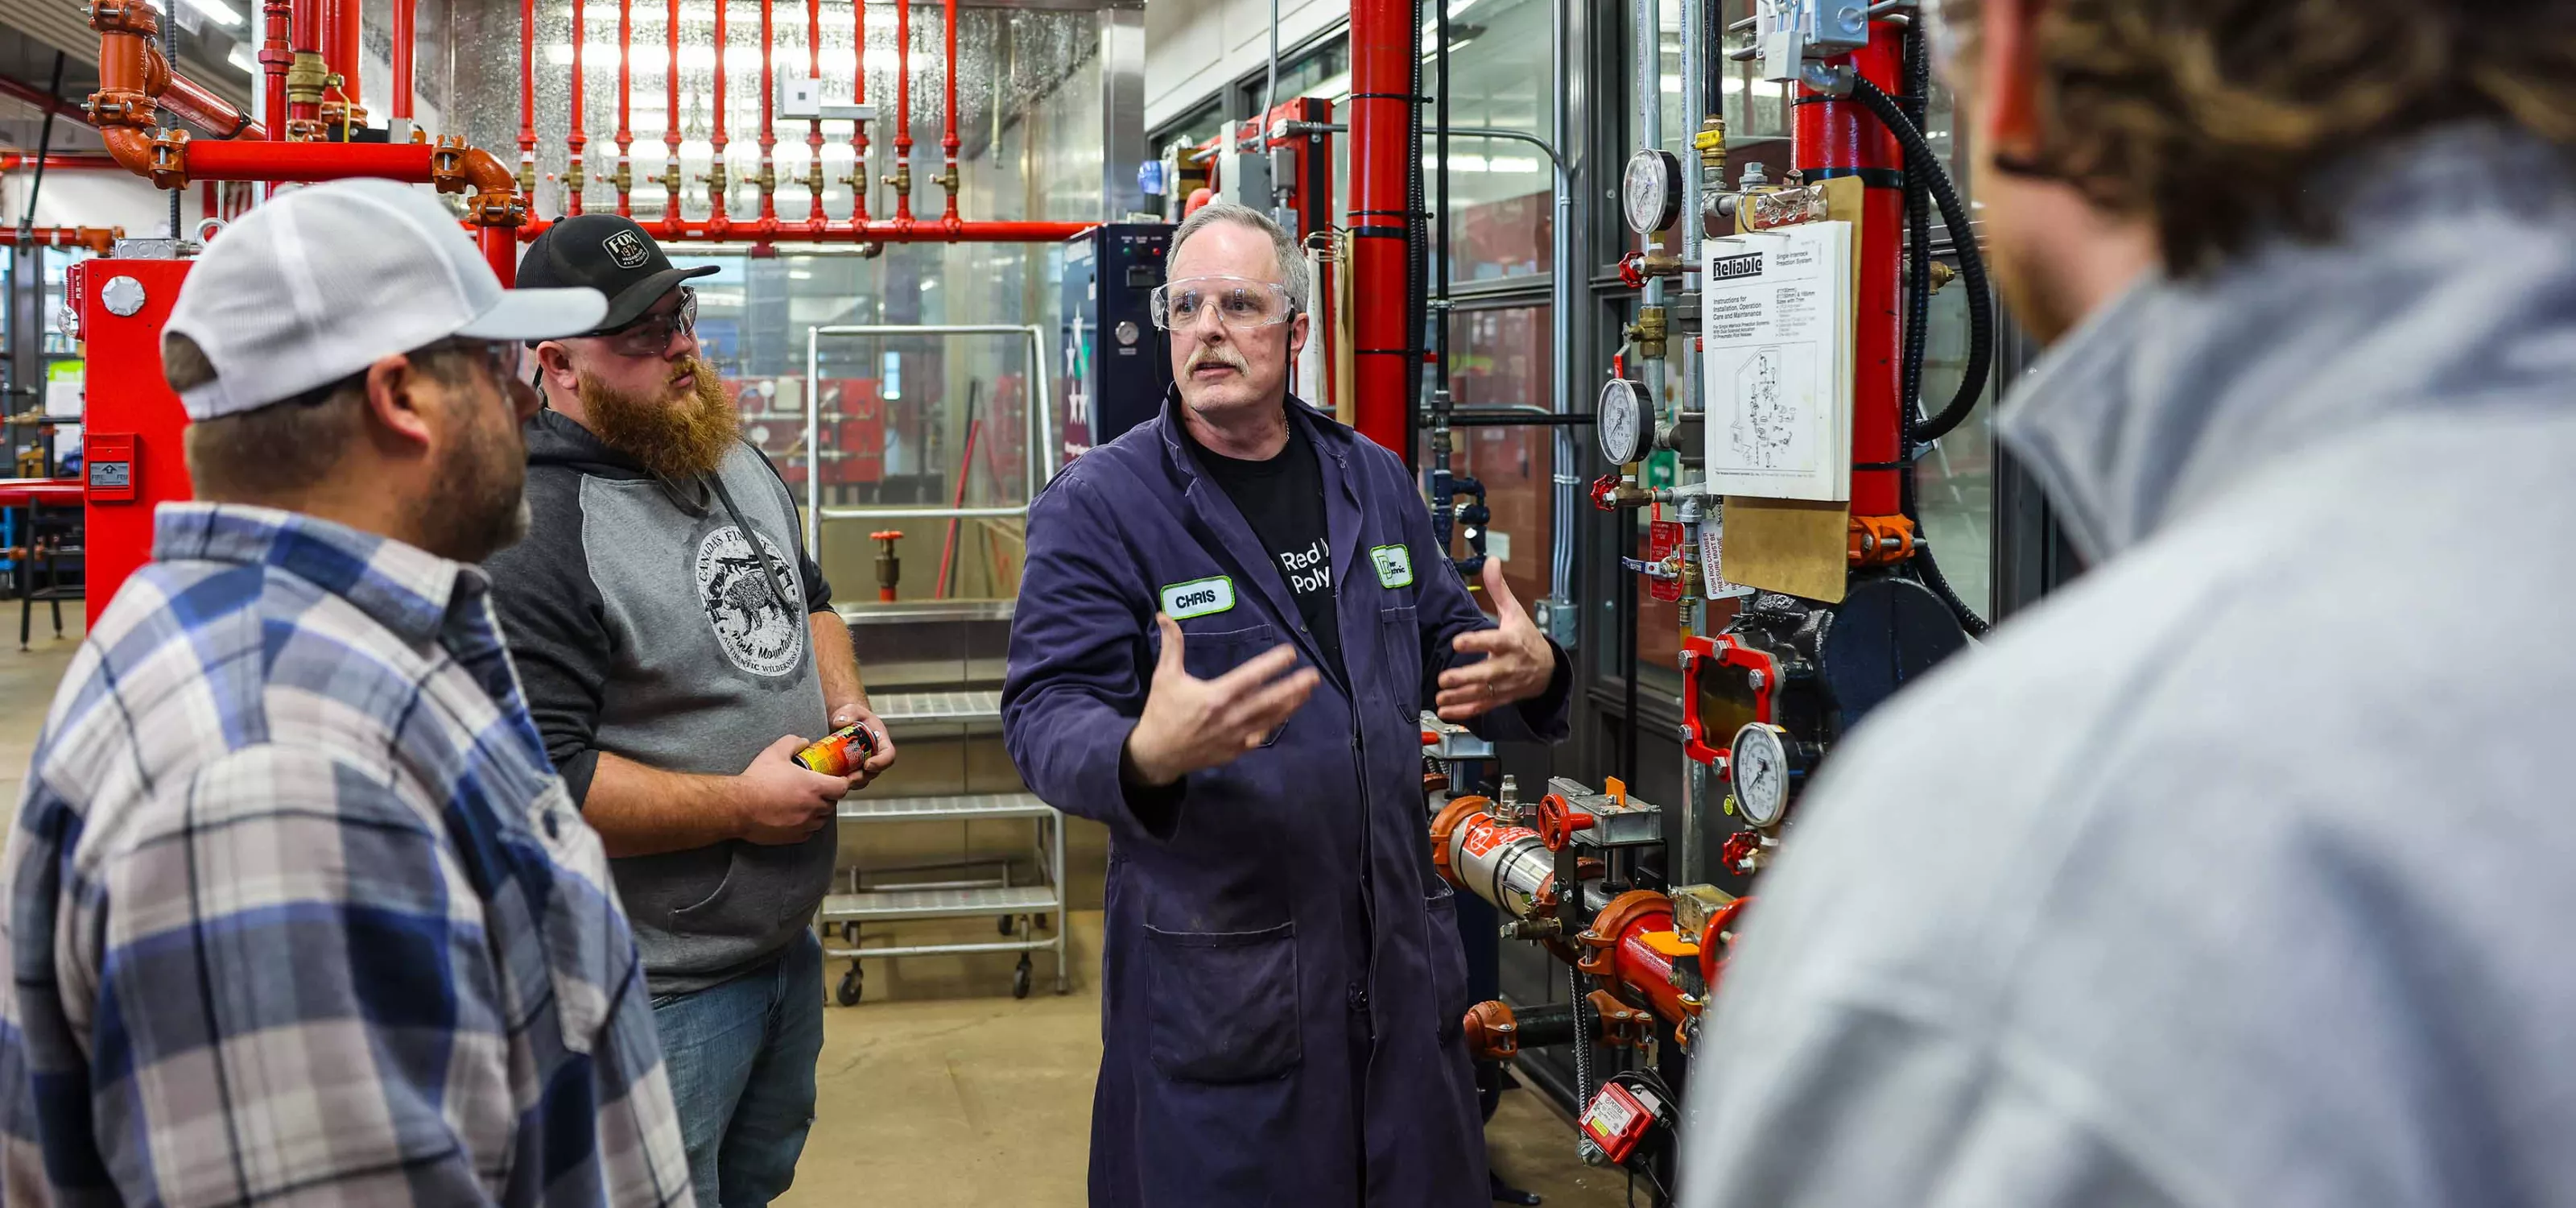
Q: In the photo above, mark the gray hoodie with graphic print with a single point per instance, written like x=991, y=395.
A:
x=644, y=624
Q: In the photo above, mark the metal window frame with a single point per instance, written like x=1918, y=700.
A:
x=1039, y=467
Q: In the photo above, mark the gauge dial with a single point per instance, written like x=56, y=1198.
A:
x=1650, y=191
x=1620, y=421
x=1758, y=764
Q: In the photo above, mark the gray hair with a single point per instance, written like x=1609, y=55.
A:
x=1292, y=259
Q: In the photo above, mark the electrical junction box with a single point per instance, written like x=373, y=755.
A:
x=1243, y=177
x=1616, y=1120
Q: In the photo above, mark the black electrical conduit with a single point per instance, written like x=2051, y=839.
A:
x=1920, y=160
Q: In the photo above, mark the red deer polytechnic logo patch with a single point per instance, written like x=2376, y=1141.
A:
x=627, y=249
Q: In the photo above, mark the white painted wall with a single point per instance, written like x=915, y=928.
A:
x=1193, y=47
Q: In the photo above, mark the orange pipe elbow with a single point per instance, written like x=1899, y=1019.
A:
x=131, y=148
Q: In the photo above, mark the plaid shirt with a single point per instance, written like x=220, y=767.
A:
x=299, y=913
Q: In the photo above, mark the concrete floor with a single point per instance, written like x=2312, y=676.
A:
x=939, y=1089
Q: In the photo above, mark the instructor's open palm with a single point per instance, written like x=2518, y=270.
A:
x=1191, y=724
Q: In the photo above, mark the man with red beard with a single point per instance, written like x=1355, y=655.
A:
x=678, y=645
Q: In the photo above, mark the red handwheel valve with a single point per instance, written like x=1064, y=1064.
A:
x=1557, y=822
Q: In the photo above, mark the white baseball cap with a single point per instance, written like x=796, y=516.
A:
x=322, y=282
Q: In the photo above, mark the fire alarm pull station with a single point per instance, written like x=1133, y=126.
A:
x=108, y=458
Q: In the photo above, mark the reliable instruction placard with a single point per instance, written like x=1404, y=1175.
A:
x=1776, y=330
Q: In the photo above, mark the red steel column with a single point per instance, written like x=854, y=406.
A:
x=1384, y=41
x=1838, y=136
x=343, y=35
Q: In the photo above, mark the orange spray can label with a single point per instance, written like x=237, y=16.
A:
x=840, y=752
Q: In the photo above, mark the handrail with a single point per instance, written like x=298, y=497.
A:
x=1037, y=467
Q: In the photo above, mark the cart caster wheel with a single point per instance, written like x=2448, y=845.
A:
x=1006, y=924
x=848, y=994
x=1020, y=980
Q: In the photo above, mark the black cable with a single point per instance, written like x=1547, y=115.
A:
x=1972, y=264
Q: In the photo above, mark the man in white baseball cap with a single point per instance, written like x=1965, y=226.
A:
x=297, y=907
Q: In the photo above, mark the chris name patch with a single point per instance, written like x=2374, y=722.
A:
x=1198, y=598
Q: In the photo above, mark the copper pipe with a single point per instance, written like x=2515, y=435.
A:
x=948, y=143
x=62, y=161
x=814, y=129
x=625, y=95
x=671, y=115
x=902, y=178
x=97, y=239
x=273, y=59
x=841, y=231
x=716, y=183
x=768, y=119
x=576, y=133
x=208, y=112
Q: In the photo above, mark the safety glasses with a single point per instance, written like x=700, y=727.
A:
x=650, y=336
x=1240, y=303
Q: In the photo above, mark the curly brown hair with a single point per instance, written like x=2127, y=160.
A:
x=2214, y=118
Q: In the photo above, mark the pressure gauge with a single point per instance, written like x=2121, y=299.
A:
x=1622, y=420
x=1759, y=765
x=1650, y=191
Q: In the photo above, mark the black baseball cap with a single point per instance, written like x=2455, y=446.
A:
x=607, y=253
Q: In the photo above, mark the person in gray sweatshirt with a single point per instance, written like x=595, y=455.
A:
x=2238, y=872
x=678, y=645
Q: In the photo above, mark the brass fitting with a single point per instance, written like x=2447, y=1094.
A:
x=624, y=176
x=573, y=179
x=1710, y=142
x=307, y=78
x=716, y=182
x=1942, y=274
x=528, y=177
x=947, y=180
x=1648, y=332
x=671, y=181
x=766, y=179
x=902, y=179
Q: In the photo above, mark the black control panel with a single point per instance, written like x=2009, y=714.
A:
x=1116, y=367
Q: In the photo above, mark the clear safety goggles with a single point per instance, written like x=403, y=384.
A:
x=1239, y=302
x=650, y=336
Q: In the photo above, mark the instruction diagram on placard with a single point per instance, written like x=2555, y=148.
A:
x=1776, y=338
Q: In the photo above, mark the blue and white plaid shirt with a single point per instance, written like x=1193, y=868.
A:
x=298, y=912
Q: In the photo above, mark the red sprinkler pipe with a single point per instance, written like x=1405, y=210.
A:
x=62, y=161
x=576, y=133
x=1384, y=42
x=671, y=116
x=304, y=33
x=273, y=58
x=406, y=32
x=206, y=111
x=625, y=103
x=768, y=118
x=948, y=141
x=814, y=129
x=527, y=89
x=716, y=183
x=1838, y=136
x=843, y=231
x=345, y=33
x=96, y=239
x=859, y=182
x=902, y=110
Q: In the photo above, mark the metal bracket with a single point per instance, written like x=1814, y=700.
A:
x=802, y=100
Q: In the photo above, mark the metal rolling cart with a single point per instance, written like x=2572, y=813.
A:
x=937, y=667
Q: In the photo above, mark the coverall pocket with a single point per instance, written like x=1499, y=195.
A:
x=1209, y=655
x=1223, y=1004
x=1399, y=631
x=1448, y=962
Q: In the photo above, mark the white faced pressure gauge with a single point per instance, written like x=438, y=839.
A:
x=1621, y=420
x=1650, y=191
x=1759, y=766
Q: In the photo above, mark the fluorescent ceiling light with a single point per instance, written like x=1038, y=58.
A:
x=218, y=10
x=241, y=58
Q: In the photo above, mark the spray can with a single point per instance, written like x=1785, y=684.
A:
x=840, y=752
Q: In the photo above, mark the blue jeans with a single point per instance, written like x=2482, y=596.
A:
x=741, y=1059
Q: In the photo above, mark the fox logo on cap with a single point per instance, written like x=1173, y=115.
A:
x=626, y=249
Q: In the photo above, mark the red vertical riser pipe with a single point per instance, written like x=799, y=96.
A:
x=625, y=107
x=346, y=32
x=948, y=139
x=716, y=135
x=859, y=96
x=406, y=32
x=273, y=60
x=768, y=115
x=501, y=251
x=671, y=117
x=814, y=129
x=527, y=90
x=902, y=107
x=304, y=35
x=1384, y=41
x=576, y=131
x=1838, y=136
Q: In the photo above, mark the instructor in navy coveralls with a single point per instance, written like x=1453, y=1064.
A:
x=1230, y=620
